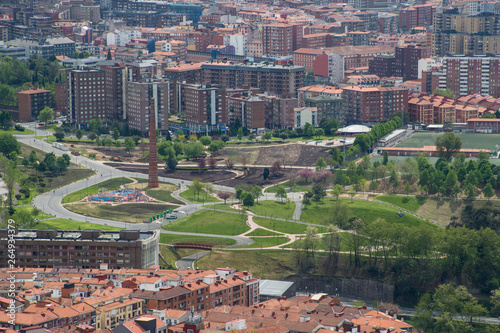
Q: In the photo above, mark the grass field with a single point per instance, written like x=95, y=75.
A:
x=278, y=263
x=271, y=208
x=321, y=244
x=162, y=193
x=283, y=226
x=195, y=198
x=469, y=140
x=262, y=232
x=410, y=203
x=111, y=184
x=13, y=131
x=299, y=186
x=72, y=225
x=169, y=238
x=210, y=222
x=261, y=242
x=223, y=207
x=130, y=212
x=368, y=211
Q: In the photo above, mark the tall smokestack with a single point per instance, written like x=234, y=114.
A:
x=153, y=157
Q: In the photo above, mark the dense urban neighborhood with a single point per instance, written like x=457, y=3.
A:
x=286, y=166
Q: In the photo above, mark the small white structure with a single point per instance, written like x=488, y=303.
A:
x=304, y=115
x=354, y=129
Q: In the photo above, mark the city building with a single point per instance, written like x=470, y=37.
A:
x=416, y=16
x=147, y=97
x=85, y=13
x=82, y=249
x=281, y=39
x=31, y=102
x=382, y=65
x=283, y=80
x=250, y=110
x=304, y=115
x=328, y=107
x=374, y=104
x=406, y=61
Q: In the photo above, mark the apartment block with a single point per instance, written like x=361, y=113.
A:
x=82, y=249
x=31, y=102
x=278, y=111
x=203, y=107
x=111, y=315
x=382, y=66
x=466, y=75
x=416, y=16
x=374, y=104
x=281, y=39
x=282, y=80
x=4, y=33
x=146, y=98
x=406, y=61
x=85, y=13
x=250, y=110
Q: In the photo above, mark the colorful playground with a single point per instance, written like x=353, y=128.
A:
x=120, y=195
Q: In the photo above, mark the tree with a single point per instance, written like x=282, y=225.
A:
x=9, y=144
x=256, y=192
x=116, y=134
x=251, y=136
x=318, y=192
x=267, y=136
x=61, y=164
x=451, y=180
x=352, y=194
x=171, y=163
x=59, y=136
x=46, y=115
x=385, y=159
x=305, y=173
x=322, y=176
x=276, y=167
x=164, y=147
x=205, y=140
x=320, y=163
x=337, y=191
x=92, y=136
x=444, y=92
x=495, y=300
x=470, y=191
x=212, y=162
x=196, y=186
x=79, y=134
x=448, y=145
x=373, y=185
x=283, y=136
x=340, y=214
x=107, y=142
x=407, y=188
x=244, y=161
x=393, y=180
x=265, y=173
x=202, y=164
x=193, y=149
x=247, y=199
x=129, y=145
x=215, y=146
x=281, y=193
x=108, y=56
x=319, y=132
x=224, y=195
x=488, y=191
x=308, y=130
x=239, y=133
x=5, y=120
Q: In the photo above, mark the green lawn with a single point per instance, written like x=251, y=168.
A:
x=321, y=244
x=210, y=222
x=261, y=242
x=163, y=195
x=13, y=131
x=195, y=198
x=409, y=203
x=262, y=232
x=111, y=184
x=469, y=140
x=224, y=207
x=367, y=210
x=314, y=138
x=127, y=212
x=279, y=209
x=64, y=224
x=283, y=226
x=41, y=215
x=169, y=238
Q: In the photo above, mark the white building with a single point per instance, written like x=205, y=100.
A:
x=239, y=42
x=426, y=64
x=474, y=7
x=121, y=37
x=304, y=115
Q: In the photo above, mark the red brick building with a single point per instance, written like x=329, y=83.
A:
x=374, y=104
x=281, y=39
x=406, y=61
x=416, y=16
x=32, y=101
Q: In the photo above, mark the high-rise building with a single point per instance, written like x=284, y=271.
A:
x=406, y=61
x=382, y=65
x=416, y=16
x=373, y=104
x=81, y=249
x=250, y=110
x=203, y=106
x=32, y=101
x=466, y=75
x=281, y=39
x=283, y=80
x=146, y=98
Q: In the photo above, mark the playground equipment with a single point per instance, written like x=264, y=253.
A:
x=119, y=196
